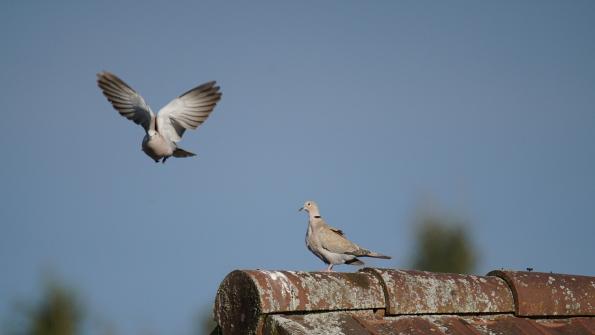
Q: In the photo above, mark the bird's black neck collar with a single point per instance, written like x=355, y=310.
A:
x=317, y=216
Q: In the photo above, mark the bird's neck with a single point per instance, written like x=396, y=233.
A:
x=314, y=214
x=315, y=219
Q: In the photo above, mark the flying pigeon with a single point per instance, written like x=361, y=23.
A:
x=164, y=130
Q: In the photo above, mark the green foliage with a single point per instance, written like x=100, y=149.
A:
x=57, y=313
x=443, y=245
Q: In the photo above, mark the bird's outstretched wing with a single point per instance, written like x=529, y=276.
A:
x=125, y=100
x=188, y=111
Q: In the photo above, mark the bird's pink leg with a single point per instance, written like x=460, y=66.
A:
x=330, y=268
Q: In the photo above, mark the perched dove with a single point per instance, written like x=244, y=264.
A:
x=164, y=131
x=329, y=243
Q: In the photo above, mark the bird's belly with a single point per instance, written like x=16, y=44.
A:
x=334, y=258
x=157, y=147
x=317, y=254
x=314, y=247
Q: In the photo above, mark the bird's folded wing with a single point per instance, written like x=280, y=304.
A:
x=125, y=100
x=336, y=230
x=188, y=111
x=336, y=243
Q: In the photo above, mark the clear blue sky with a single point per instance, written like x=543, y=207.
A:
x=368, y=108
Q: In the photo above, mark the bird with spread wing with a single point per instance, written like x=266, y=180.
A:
x=164, y=130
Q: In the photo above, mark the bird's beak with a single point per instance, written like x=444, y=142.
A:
x=301, y=209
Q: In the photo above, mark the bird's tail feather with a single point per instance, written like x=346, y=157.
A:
x=182, y=153
x=377, y=255
x=368, y=253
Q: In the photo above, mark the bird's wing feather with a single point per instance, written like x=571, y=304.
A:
x=336, y=243
x=125, y=100
x=336, y=230
x=188, y=111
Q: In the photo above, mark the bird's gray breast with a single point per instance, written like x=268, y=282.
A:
x=157, y=146
x=314, y=245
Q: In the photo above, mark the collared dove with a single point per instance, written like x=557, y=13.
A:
x=330, y=244
x=164, y=131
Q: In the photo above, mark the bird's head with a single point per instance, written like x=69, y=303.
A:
x=152, y=132
x=310, y=207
